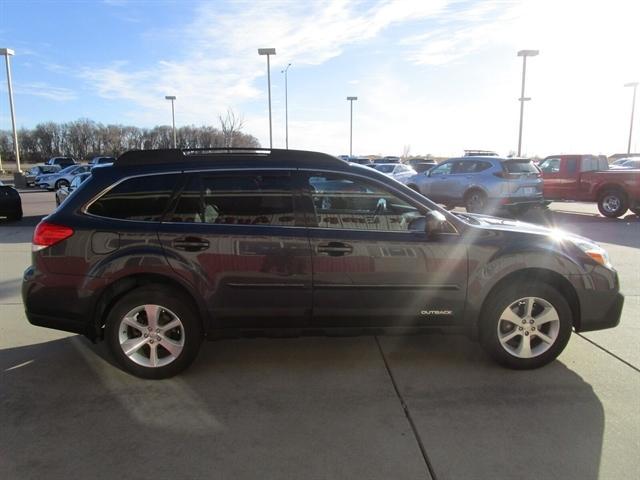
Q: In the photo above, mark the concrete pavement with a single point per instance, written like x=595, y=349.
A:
x=366, y=407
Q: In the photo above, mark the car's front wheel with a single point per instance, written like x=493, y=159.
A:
x=61, y=183
x=526, y=326
x=153, y=333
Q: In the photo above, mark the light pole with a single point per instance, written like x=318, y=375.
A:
x=268, y=52
x=633, y=106
x=173, y=118
x=524, y=54
x=286, y=107
x=351, y=99
x=7, y=52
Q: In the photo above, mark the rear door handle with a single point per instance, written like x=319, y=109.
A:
x=190, y=244
x=335, y=249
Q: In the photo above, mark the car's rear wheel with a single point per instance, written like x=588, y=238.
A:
x=61, y=183
x=613, y=203
x=153, y=333
x=475, y=201
x=526, y=326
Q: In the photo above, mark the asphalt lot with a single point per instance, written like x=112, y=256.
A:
x=358, y=407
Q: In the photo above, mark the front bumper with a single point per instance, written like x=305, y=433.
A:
x=599, y=310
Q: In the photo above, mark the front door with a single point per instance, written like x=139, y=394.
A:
x=238, y=239
x=373, y=264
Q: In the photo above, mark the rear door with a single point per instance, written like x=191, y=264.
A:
x=237, y=237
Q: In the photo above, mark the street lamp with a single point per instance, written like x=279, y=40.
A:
x=7, y=52
x=286, y=107
x=173, y=117
x=351, y=99
x=633, y=106
x=268, y=52
x=524, y=54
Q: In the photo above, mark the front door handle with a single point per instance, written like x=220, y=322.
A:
x=190, y=244
x=335, y=249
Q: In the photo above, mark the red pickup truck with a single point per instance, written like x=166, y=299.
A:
x=587, y=178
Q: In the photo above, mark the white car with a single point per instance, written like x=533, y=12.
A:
x=399, y=171
x=62, y=178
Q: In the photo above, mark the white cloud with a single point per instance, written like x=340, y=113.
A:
x=41, y=89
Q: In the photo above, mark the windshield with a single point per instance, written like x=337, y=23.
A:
x=517, y=166
x=385, y=168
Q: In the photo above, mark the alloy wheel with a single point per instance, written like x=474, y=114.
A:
x=528, y=327
x=151, y=336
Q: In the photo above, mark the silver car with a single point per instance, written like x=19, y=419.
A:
x=482, y=184
x=62, y=178
x=399, y=171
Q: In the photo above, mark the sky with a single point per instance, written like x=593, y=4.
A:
x=431, y=76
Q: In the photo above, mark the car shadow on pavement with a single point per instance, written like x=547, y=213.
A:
x=479, y=420
x=298, y=408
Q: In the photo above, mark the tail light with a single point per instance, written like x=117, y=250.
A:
x=48, y=234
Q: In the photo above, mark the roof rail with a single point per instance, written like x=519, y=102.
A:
x=189, y=155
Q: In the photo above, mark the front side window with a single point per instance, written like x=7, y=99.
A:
x=139, y=199
x=444, y=169
x=244, y=199
x=350, y=203
x=550, y=165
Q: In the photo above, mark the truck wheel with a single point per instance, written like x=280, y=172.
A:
x=613, y=203
x=526, y=325
x=475, y=201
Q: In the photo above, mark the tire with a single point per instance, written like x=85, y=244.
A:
x=61, y=183
x=475, y=201
x=127, y=324
x=17, y=216
x=613, y=203
x=414, y=188
x=503, y=317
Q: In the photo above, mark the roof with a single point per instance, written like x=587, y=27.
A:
x=223, y=156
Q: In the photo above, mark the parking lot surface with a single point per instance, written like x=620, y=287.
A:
x=430, y=406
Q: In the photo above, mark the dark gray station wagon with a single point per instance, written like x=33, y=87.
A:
x=165, y=248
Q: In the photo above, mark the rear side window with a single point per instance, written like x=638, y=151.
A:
x=138, y=199
x=251, y=199
x=515, y=166
x=572, y=165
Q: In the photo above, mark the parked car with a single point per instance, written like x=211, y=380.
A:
x=399, y=171
x=63, y=192
x=39, y=170
x=422, y=164
x=480, y=153
x=62, y=162
x=626, y=164
x=387, y=159
x=482, y=184
x=62, y=178
x=101, y=160
x=588, y=178
x=165, y=248
x=10, y=202
x=360, y=160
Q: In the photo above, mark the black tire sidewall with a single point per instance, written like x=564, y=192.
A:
x=623, y=204
x=168, y=299
x=500, y=300
x=470, y=194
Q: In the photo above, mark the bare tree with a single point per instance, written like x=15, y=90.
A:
x=231, y=125
x=406, y=150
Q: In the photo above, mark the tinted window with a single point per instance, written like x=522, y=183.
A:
x=572, y=165
x=237, y=200
x=520, y=167
x=141, y=198
x=356, y=204
x=589, y=164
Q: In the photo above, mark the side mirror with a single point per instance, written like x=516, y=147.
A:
x=435, y=223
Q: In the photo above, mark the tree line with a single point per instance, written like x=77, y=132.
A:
x=85, y=138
